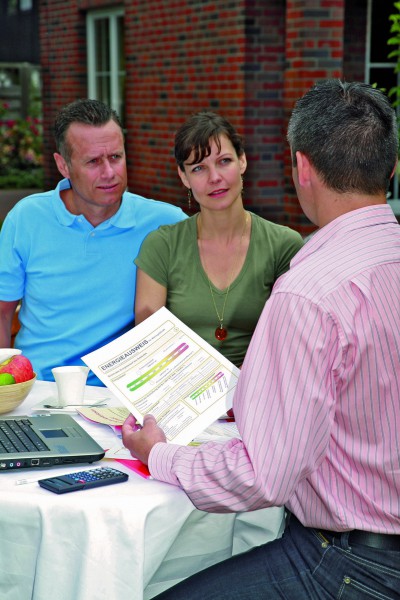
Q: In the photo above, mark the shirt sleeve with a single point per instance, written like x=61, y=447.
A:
x=12, y=269
x=154, y=256
x=284, y=407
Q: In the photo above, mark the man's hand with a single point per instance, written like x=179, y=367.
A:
x=140, y=440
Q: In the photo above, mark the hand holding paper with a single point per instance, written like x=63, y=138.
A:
x=140, y=440
x=163, y=368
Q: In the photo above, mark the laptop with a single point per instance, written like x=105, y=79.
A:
x=45, y=441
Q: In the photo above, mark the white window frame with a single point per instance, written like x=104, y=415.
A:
x=116, y=102
x=395, y=202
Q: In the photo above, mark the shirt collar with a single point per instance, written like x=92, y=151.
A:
x=361, y=218
x=124, y=218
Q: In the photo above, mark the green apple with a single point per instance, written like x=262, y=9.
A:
x=6, y=379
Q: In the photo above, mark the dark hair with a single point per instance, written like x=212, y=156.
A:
x=195, y=135
x=349, y=133
x=88, y=112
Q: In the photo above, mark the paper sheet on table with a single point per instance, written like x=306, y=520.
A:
x=118, y=451
x=115, y=415
x=162, y=367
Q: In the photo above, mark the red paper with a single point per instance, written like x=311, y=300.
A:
x=135, y=465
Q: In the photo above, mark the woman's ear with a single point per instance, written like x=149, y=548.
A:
x=183, y=177
x=243, y=163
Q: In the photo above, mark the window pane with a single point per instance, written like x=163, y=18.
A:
x=380, y=31
x=103, y=88
x=25, y=4
x=120, y=42
x=106, y=57
x=12, y=7
x=383, y=78
x=102, y=43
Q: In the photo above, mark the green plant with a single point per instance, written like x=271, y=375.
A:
x=22, y=178
x=21, y=156
x=394, y=40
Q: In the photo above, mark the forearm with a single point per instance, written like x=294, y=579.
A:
x=211, y=475
x=5, y=336
x=7, y=310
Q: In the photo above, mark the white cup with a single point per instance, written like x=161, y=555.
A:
x=71, y=383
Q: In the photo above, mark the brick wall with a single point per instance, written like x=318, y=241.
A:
x=247, y=59
x=181, y=57
x=264, y=125
x=63, y=59
x=314, y=50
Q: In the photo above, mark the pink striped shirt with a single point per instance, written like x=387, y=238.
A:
x=318, y=398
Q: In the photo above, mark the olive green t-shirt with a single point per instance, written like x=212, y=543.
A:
x=170, y=256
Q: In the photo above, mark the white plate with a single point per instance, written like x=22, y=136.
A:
x=40, y=408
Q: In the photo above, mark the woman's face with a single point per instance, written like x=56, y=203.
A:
x=216, y=181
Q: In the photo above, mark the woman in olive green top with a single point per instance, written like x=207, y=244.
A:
x=215, y=270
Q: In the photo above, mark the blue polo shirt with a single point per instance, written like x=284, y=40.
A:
x=77, y=281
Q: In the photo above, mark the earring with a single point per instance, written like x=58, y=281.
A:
x=242, y=185
x=189, y=197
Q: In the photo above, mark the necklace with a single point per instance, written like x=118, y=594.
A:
x=221, y=332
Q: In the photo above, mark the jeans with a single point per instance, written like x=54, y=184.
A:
x=301, y=565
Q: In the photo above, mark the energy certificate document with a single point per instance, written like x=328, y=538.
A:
x=164, y=368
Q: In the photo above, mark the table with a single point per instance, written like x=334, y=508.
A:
x=128, y=541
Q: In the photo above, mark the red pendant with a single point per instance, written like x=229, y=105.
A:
x=221, y=333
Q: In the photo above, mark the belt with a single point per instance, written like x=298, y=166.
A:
x=380, y=541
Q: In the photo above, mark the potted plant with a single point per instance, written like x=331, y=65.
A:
x=21, y=171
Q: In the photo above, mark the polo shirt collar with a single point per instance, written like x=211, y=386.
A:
x=124, y=218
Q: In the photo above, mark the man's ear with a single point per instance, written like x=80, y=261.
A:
x=183, y=177
x=61, y=165
x=303, y=169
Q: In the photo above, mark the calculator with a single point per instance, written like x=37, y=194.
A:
x=83, y=480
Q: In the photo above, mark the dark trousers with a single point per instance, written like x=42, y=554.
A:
x=301, y=565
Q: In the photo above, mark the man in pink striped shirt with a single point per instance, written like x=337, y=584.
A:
x=318, y=399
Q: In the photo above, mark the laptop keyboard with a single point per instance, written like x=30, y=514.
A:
x=18, y=436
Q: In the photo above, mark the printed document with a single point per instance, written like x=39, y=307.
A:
x=164, y=368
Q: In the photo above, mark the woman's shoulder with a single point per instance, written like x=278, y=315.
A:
x=171, y=235
x=265, y=227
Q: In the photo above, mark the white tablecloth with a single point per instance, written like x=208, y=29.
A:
x=127, y=541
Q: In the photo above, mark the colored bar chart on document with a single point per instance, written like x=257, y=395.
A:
x=164, y=368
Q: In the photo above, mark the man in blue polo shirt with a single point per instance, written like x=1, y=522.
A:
x=68, y=253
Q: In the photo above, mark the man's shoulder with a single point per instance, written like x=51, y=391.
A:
x=29, y=206
x=139, y=202
x=148, y=214
x=145, y=215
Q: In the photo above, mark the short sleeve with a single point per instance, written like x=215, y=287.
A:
x=12, y=269
x=154, y=256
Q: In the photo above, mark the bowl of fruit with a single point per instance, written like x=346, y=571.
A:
x=16, y=378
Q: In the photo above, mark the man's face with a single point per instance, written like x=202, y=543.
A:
x=97, y=167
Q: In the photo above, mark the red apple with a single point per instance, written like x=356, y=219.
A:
x=19, y=367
